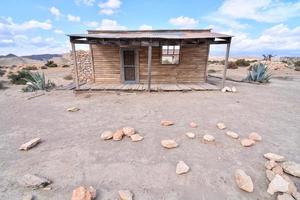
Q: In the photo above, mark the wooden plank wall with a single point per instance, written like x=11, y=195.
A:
x=190, y=70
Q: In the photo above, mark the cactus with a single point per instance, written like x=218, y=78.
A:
x=258, y=73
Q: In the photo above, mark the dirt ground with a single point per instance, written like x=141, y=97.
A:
x=73, y=154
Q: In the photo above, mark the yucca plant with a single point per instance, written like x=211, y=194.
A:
x=258, y=73
x=37, y=81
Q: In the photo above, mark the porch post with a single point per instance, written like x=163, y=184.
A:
x=92, y=62
x=75, y=65
x=149, y=66
x=226, y=64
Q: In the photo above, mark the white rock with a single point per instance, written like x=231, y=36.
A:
x=169, y=144
x=243, y=181
x=182, y=168
x=30, y=180
x=247, y=142
x=226, y=89
x=270, y=164
x=285, y=196
x=28, y=197
x=232, y=134
x=273, y=156
x=292, y=187
x=125, y=195
x=255, y=136
x=106, y=135
x=128, y=131
x=30, y=144
x=221, y=126
x=270, y=175
x=136, y=137
x=291, y=168
x=166, y=123
x=278, y=184
x=190, y=135
x=193, y=125
x=297, y=196
x=233, y=89
x=208, y=138
x=73, y=109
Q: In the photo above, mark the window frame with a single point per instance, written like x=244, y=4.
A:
x=168, y=54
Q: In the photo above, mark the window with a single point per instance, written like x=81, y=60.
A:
x=170, y=54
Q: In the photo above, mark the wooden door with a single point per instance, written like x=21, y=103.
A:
x=129, y=66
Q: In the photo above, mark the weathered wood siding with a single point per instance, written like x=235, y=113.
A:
x=107, y=64
x=192, y=67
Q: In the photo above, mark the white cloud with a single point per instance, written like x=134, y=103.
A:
x=73, y=18
x=107, y=24
x=271, y=11
x=145, y=27
x=109, y=7
x=184, y=22
x=91, y=24
x=58, y=31
x=85, y=2
x=55, y=11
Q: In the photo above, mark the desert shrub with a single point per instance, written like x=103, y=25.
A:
x=44, y=67
x=232, y=65
x=212, y=71
x=65, y=66
x=2, y=72
x=30, y=68
x=68, y=77
x=297, y=64
x=19, y=77
x=51, y=63
x=242, y=63
x=258, y=73
x=37, y=81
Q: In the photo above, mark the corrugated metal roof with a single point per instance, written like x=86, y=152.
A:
x=155, y=34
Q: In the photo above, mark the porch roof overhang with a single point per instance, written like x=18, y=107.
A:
x=118, y=37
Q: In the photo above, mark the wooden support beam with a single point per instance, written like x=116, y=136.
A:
x=149, y=67
x=75, y=65
x=206, y=62
x=92, y=61
x=226, y=64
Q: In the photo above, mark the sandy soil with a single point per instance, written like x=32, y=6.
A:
x=73, y=154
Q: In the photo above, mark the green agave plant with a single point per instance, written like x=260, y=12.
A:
x=258, y=73
x=37, y=81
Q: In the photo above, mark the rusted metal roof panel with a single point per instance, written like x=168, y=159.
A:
x=155, y=34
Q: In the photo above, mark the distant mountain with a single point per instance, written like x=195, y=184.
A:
x=42, y=57
x=8, y=56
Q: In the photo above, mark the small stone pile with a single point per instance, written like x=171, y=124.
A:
x=279, y=182
x=228, y=89
x=85, y=69
x=120, y=133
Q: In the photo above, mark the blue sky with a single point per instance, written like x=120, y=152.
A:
x=259, y=26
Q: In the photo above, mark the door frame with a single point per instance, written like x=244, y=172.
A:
x=136, y=64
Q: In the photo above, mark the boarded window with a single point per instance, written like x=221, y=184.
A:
x=170, y=54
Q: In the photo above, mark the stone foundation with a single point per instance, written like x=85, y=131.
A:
x=85, y=69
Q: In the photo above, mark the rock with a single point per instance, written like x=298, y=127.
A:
x=190, y=135
x=208, y=138
x=270, y=164
x=297, y=196
x=233, y=89
x=118, y=135
x=292, y=187
x=247, y=142
x=107, y=135
x=28, y=197
x=278, y=170
x=273, y=156
x=285, y=196
x=169, y=144
x=255, y=136
x=278, y=184
x=136, y=138
x=125, y=195
x=73, y=109
x=82, y=193
x=221, y=126
x=30, y=144
x=182, y=168
x=270, y=174
x=128, y=131
x=33, y=181
x=291, y=168
x=48, y=188
x=226, y=89
x=232, y=134
x=193, y=125
x=243, y=181
x=166, y=123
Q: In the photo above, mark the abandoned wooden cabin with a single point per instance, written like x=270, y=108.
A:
x=149, y=59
